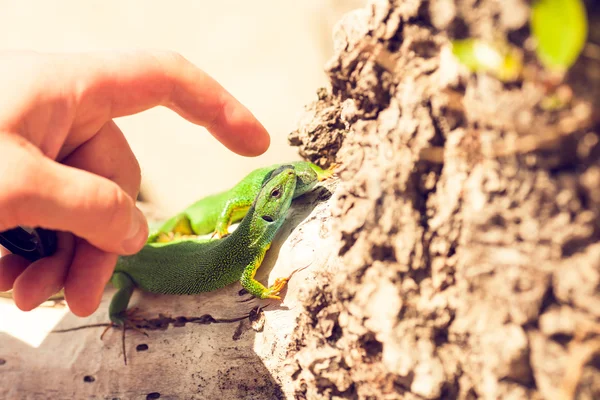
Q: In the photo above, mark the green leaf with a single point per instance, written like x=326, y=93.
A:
x=480, y=56
x=560, y=28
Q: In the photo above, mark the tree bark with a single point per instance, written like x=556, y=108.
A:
x=466, y=217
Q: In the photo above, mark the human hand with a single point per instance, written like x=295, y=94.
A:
x=66, y=166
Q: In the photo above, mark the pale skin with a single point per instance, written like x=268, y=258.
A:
x=66, y=166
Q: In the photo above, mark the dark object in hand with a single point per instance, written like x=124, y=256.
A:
x=31, y=244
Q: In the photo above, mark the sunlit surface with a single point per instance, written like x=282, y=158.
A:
x=29, y=327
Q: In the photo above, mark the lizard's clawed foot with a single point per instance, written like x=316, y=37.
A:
x=125, y=320
x=329, y=172
x=219, y=233
x=273, y=291
x=164, y=237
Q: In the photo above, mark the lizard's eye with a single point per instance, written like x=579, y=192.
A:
x=267, y=218
x=276, y=193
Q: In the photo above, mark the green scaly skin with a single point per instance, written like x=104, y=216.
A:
x=190, y=266
x=215, y=213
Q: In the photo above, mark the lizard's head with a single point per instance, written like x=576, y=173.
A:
x=273, y=201
x=307, y=178
x=307, y=175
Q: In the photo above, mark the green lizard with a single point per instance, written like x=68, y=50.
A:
x=216, y=212
x=193, y=266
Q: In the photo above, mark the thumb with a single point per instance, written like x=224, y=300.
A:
x=39, y=192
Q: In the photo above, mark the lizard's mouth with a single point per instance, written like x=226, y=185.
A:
x=267, y=218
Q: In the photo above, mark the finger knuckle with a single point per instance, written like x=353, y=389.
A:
x=18, y=193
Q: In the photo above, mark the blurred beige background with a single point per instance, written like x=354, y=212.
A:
x=269, y=54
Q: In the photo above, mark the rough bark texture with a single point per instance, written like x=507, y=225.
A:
x=467, y=216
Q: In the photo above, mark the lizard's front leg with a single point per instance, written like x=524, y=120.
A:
x=180, y=225
x=256, y=288
x=234, y=210
x=117, y=311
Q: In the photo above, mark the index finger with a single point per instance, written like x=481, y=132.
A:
x=110, y=85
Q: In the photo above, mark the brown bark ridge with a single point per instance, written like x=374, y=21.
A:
x=466, y=216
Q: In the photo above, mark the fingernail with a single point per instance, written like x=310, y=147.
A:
x=138, y=232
